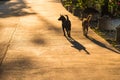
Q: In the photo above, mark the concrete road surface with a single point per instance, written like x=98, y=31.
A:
x=32, y=45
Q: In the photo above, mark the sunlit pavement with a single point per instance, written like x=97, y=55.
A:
x=32, y=45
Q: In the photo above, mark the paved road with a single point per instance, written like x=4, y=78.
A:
x=32, y=45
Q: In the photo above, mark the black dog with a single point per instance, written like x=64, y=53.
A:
x=66, y=24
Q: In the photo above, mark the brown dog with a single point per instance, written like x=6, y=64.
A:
x=86, y=24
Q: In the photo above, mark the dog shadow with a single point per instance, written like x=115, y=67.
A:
x=76, y=44
x=101, y=44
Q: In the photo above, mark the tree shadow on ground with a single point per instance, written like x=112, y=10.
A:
x=56, y=1
x=4, y=0
x=101, y=44
x=38, y=40
x=17, y=8
x=3, y=50
x=48, y=27
x=76, y=44
x=10, y=68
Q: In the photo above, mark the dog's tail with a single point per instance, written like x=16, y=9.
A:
x=67, y=17
x=89, y=17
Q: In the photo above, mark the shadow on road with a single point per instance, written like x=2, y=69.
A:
x=17, y=8
x=101, y=44
x=10, y=68
x=56, y=1
x=3, y=51
x=76, y=44
x=38, y=40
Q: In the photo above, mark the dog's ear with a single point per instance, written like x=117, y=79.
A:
x=60, y=14
x=66, y=15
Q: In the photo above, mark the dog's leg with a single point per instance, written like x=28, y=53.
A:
x=69, y=35
x=67, y=30
x=70, y=31
x=84, y=30
x=63, y=30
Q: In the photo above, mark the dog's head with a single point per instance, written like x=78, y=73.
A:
x=61, y=18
